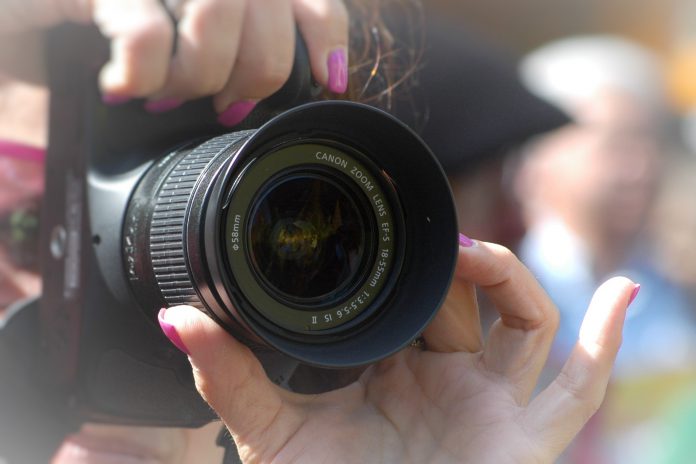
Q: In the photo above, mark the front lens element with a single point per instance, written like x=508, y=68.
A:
x=308, y=239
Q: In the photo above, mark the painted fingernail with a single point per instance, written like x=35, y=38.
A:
x=634, y=294
x=114, y=99
x=338, y=71
x=465, y=241
x=161, y=106
x=170, y=331
x=236, y=113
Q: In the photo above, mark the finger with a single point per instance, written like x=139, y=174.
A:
x=209, y=33
x=264, y=61
x=561, y=410
x=457, y=326
x=141, y=35
x=231, y=379
x=519, y=342
x=324, y=26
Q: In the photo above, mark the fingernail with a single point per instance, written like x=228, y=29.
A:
x=634, y=294
x=236, y=113
x=161, y=106
x=170, y=331
x=465, y=241
x=338, y=71
x=114, y=99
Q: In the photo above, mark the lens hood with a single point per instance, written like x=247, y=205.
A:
x=209, y=199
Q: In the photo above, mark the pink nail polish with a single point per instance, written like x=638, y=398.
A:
x=22, y=151
x=114, y=99
x=236, y=113
x=338, y=71
x=465, y=241
x=634, y=294
x=161, y=106
x=170, y=331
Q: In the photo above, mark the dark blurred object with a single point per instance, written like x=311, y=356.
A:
x=476, y=104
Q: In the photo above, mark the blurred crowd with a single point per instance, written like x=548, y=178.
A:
x=607, y=195
x=610, y=193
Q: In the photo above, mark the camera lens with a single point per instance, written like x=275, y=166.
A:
x=308, y=239
x=328, y=234
x=301, y=237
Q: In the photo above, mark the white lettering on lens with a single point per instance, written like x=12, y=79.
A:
x=235, y=232
x=379, y=204
x=385, y=232
x=381, y=267
x=331, y=159
x=362, y=178
x=353, y=305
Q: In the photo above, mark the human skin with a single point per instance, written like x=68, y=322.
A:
x=231, y=49
x=461, y=399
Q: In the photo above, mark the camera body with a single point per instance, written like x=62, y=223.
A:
x=110, y=171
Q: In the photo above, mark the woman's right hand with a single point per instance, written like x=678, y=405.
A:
x=240, y=51
x=460, y=399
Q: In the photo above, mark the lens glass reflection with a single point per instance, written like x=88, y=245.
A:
x=307, y=239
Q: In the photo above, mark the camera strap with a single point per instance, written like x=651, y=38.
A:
x=34, y=421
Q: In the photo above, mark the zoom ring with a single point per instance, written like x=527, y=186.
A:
x=169, y=218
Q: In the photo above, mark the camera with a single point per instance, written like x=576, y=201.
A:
x=320, y=234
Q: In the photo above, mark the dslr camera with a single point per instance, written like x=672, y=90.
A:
x=322, y=235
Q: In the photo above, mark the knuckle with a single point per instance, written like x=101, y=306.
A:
x=271, y=73
x=554, y=318
x=504, y=254
x=587, y=400
x=500, y=269
x=151, y=33
x=275, y=77
x=207, y=15
x=208, y=80
x=146, y=51
x=205, y=388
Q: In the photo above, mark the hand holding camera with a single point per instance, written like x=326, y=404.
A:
x=172, y=51
x=454, y=399
x=304, y=199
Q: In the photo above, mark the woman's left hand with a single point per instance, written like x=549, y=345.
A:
x=239, y=51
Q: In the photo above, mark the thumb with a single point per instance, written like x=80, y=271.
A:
x=231, y=379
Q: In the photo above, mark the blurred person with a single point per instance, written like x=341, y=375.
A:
x=586, y=191
x=673, y=224
x=455, y=371
x=478, y=113
x=673, y=228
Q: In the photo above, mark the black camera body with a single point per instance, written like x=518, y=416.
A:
x=323, y=236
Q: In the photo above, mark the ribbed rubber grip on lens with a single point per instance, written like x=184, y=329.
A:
x=169, y=218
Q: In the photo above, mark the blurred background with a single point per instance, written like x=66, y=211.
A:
x=612, y=193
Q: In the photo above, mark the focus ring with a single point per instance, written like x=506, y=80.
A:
x=171, y=206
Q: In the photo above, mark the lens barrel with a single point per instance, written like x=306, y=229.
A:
x=328, y=234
